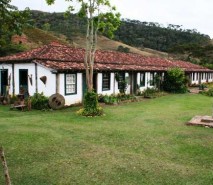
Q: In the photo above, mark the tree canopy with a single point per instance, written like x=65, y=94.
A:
x=12, y=22
x=100, y=16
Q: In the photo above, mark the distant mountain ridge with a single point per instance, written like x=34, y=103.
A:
x=131, y=32
x=132, y=36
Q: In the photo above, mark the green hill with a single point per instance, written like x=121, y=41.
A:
x=181, y=43
x=34, y=37
x=146, y=38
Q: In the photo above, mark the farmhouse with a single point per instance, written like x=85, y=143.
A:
x=57, y=68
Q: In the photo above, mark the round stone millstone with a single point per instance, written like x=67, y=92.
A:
x=56, y=101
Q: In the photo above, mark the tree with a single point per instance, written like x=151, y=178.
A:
x=100, y=17
x=46, y=27
x=12, y=22
x=175, y=81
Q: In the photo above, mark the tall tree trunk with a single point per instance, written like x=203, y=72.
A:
x=5, y=168
x=91, y=42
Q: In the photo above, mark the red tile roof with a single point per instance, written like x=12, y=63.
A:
x=62, y=57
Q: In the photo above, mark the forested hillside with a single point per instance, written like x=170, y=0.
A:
x=70, y=25
x=156, y=36
x=180, y=43
x=131, y=32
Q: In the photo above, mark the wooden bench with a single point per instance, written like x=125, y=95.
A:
x=19, y=104
x=20, y=107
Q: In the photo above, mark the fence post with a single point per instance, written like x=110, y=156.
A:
x=5, y=168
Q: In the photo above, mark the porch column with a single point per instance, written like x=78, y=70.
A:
x=13, y=80
x=36, y=77
x=57, y=83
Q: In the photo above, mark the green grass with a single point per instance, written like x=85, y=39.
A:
x=138, y=143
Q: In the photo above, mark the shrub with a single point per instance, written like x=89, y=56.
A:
x=91, y=107
x=39, y=101
x=150, y=93
x=123, y=83
x=208, y=93
x=101, y=98
x=13, y=99
x=114, y=99
x=123, y=97
x=202, y=86
x=123, y=86
x=175, y=81
x=209, y=84
x=123, y=49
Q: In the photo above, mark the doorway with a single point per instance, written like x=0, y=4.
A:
x=133, y=83
x=3, y=81
x=84, y=83
x=23, y=82
x=95, y=82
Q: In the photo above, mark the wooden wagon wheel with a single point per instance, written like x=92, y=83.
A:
x=56, y=101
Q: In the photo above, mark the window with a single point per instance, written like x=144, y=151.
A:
x=142, y=79
x=70, y=84
x=152, y=74
x=121, y=80
x=106, y=81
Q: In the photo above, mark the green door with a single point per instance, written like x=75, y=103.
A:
x=133, y=83
x=135, y=86
x=84, y=84
x=3, y=82
x=23, y=82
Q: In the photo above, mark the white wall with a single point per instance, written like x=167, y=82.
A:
x=31, y=70
x=196, y=78
x=50, y=87
x=204, y=80
x=9, y=68
x=206, y=77
x=99, y=84
x=211, y=77
x=127, y=78
x=73, y=98
x=114, y=84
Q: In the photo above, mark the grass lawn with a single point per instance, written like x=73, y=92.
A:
x=138, y=143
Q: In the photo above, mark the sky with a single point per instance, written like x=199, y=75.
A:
x=191, y=14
